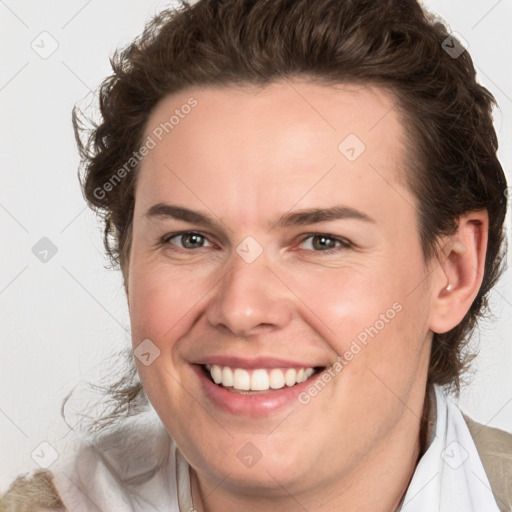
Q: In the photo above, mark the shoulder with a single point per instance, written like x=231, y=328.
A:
x=32, y=494
x=491, y=442
x=122, y=460
x=495, y=450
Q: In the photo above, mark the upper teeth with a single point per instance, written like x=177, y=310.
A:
x=260, y=379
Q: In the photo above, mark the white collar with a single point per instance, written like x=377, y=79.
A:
x=449, y=476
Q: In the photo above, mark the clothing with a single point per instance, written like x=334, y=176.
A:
x=139, y=469
x=450, y=476
x=495, y=449
x=131, y=469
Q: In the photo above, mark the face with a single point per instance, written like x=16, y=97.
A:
x=273, y=237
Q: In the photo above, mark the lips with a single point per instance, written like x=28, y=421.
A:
x=249, y=403
x=256, y=387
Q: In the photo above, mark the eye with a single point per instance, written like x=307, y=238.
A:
x=325, y=243
x=186, y=240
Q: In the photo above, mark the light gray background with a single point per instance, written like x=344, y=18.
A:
x=61, y=319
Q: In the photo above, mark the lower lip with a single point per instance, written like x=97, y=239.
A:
x=258, y=404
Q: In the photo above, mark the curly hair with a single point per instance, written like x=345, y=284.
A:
x=394, y=44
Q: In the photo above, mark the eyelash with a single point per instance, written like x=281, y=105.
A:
x=343, y=243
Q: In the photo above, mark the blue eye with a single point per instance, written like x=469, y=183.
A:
x=187, y=239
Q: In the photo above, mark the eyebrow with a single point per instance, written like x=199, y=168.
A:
x=297, y=218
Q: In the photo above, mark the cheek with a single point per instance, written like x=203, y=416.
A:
x=345, y=301
x=379, y=311
x=162, y=300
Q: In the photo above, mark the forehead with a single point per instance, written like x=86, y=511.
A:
x=290, y=141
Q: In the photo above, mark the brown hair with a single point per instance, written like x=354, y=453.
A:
x=394, y=44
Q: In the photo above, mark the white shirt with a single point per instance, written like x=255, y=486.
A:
x=450, y=476
x=139, y=469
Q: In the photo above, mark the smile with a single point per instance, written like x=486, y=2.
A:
x=257, y=380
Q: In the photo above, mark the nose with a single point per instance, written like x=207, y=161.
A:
x=250, y=299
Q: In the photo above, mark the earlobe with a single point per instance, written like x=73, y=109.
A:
x=458, y=278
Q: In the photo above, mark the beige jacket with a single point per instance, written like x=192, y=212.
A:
x=495, y=449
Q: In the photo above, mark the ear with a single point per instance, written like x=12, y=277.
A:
x=458, y=277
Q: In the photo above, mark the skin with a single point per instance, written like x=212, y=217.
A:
x=244, y=157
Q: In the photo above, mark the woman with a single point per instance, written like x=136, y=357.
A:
x=306, y=205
